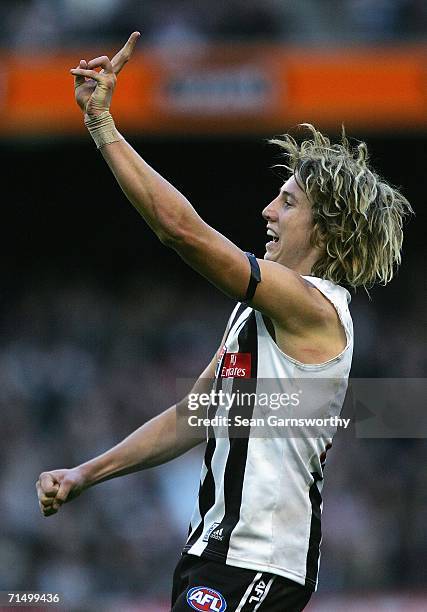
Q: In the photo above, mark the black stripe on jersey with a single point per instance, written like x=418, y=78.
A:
x=207, y=488
x=239, y=311
x=206, y=496
x=234, y=472
x=313, y=552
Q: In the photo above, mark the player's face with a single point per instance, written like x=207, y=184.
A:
x=289, y=224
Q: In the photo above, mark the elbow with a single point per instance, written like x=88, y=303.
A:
x=165, y=238
x=171, y=230
x=176, y=238
x=180, y=231
x=170, y=239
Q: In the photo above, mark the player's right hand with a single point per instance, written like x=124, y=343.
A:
x=94, y=89
x=56, y=487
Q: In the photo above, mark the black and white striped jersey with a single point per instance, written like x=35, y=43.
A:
x=259, y=502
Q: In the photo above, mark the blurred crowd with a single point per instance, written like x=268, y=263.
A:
x=45, y=24
x=82, y=366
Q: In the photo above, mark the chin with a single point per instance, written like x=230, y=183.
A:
x=269, y=256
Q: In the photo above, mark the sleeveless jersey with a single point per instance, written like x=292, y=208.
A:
x=259, y=503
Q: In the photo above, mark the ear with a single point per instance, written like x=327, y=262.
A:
x=318, y=237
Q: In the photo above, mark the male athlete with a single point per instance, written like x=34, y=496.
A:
x=254, y=537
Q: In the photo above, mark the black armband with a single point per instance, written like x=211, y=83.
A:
x=254, y=279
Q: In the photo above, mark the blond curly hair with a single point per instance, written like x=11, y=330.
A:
x=358, y=217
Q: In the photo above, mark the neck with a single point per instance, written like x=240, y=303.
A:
x=305, y=266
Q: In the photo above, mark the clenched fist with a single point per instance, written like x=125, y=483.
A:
x=57, y=487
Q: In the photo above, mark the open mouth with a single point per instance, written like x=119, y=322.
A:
x=274, y=238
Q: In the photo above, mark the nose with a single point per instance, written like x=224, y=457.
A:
x=270, y=213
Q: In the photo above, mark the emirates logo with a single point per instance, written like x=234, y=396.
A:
x=236, y=365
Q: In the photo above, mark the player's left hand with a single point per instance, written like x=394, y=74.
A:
x=93, y=89
x=57, y=487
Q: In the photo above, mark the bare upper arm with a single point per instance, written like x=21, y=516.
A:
x=282, y=294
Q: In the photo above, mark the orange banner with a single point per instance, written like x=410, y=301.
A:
x=225, y=89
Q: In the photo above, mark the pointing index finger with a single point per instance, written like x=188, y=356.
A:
x=123, y=56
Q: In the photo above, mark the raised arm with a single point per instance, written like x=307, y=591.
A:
x=282, y=293
x=161, y=439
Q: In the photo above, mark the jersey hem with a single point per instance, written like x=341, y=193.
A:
x=259, y=567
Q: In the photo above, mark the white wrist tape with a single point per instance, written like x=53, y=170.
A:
x=102, y=129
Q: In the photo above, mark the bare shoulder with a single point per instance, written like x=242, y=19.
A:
x=318, y=342
x=288, y=299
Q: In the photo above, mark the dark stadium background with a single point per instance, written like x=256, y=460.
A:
x=67, y=228
x=62, y=207
x=98, y=320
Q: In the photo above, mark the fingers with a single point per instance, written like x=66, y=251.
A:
x=88, y=74
x=86, y=70
x=124, y=55
x=47, y=484
x=49, y=511
x=49, y=505
x=63, y=491
x=101, y=62
x=45, y=500
x=47, y=488
x=46, y=507
x=79, y=80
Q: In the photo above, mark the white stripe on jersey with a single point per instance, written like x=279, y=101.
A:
x=216, y=512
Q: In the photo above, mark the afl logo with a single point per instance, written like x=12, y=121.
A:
x=205, y=599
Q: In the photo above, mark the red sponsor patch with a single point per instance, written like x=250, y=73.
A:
x=236, y=365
